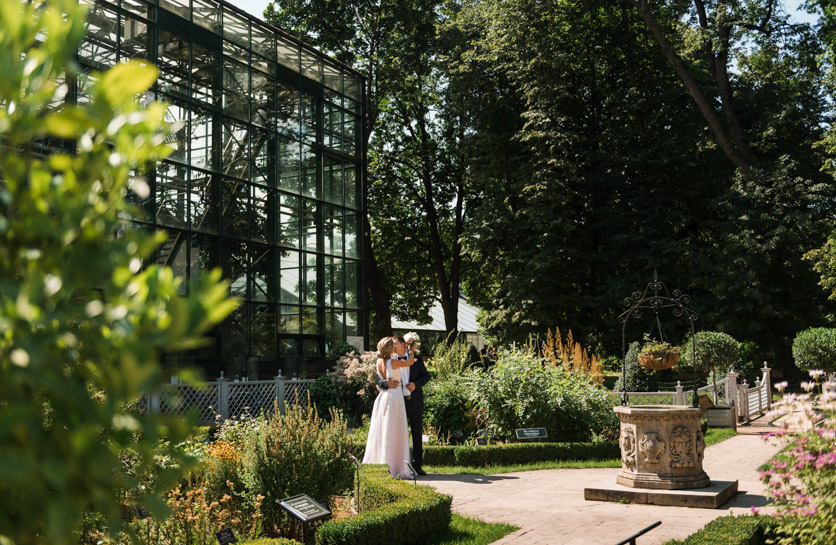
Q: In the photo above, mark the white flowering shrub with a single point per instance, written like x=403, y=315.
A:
x=355, y=385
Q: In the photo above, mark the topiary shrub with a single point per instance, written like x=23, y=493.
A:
x=716, y=352
x=296, y=453
x=815, y=348
x=731, y=530
x=639, y=379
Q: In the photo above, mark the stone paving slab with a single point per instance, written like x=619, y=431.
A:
x=549, y=506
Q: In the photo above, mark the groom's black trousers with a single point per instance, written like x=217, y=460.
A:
x=415, y=417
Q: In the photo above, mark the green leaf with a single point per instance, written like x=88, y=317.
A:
x=126, y=80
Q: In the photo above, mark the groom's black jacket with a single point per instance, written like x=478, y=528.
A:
x=419, y=376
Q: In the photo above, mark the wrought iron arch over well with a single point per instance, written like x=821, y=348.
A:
x=656, y=298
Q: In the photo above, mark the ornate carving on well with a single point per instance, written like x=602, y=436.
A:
x=700, y=447
x=628, y=448
x=652, y=447
x=661, y=447
x=682, y=453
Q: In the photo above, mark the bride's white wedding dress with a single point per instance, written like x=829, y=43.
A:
x=388, y=441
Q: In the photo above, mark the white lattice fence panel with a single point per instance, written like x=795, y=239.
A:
x=296, y=390
x=179, y=398
x=251, y=397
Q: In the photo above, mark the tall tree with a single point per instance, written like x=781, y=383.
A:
x=611, y=171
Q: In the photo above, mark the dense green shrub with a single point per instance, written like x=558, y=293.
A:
x=296, y=453
x=716, y=352
x=394, y=512
x=323, y=395
x=445, y=407
x=339, y=350
x=82, y=323
x=520, y=391
x=270, y=541
x=450, y=360
x=731, y=530
x=639, y=379
x=815, y=348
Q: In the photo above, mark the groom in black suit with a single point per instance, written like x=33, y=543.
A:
x=414, y=400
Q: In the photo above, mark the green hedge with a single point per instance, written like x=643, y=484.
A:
x=518, y=453
x=742, y=530
x=394, y=512
x=270, y=541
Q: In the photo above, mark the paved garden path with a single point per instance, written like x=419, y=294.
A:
x=549, y=508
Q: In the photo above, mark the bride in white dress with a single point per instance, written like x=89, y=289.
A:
x=388, y=441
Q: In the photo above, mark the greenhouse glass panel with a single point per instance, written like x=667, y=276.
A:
x=351, y=327
x=352, y=284
x=310, y=321
x=290, y=277
x=350, y=177
x=177, y=114
x=206, y=75
x=334, y=282
x=332, y=180
x=172, y=194
x=235, y=202
x=173, y=62
x=262, y=42
x=236, y=91
x=98, y=47
x=310, y=168
x=236, y=266
x=310, y=293
x=287, y=110
x=236, y=151
x=308, y=118
x=353, y=88
x=351, y=228
x=180, y=7
x=334, y=329
x=290, y=219
x=333, y=230
x=309, y=226
x=236, y=28
x=289, y=154
x=262, y=99
x=289, y=321
x=262, y=273
x=311, y=65
x=287, y=53
x=207, y=14
x=204, y=201
x=288, y=347
x=263, y=214
x=139, y=7
x=263, y=331
x=262, y=152
x=234, y=341
x=134, y=38
x=204, y=255
x=203, y=139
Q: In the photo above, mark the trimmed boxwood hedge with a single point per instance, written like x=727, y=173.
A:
x=742, y=530
x=270, y=541
x=518, y=453
x=394, y=512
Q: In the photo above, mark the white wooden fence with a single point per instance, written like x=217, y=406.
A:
x=229, y=398
x=747, y=400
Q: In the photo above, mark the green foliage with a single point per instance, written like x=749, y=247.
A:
x=518, y=453
x=445, y=407
x=296, y=453
x=520, y=391
x=339, y=350
x=731, y=530
x=467, y=531
x=639, y=379
x=323, y=395
x=815, y=348
x=81, y=323
x=394, y=512
x=270, y=541
x=715, y=352
x=657, y=349
x=450, y=360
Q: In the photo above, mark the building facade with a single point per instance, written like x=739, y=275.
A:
x=265, y=181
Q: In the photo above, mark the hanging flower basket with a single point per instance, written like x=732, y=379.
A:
x=658, y=356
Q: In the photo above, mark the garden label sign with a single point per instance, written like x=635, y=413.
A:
x=304, y=508
x=226, y=536
x=531, y=433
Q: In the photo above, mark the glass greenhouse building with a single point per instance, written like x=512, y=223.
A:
x=265, y=181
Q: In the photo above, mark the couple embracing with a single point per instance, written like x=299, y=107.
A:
x=399, y=407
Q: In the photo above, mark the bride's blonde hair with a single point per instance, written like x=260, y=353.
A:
x=385, y=347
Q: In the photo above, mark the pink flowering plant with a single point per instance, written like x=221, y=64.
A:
x=801, y=481
x=355, y=385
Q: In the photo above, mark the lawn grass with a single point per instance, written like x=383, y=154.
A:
x=718, y=435
x=712, y=437
x=467, y=531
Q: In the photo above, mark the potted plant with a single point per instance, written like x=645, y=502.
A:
x=658, y=355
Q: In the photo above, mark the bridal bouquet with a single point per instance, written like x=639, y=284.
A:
x=413, y=342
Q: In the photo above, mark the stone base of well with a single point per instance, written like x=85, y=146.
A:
x=662, y=447
x=709, y=497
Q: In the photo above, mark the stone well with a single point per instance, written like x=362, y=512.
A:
x=662, y=447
